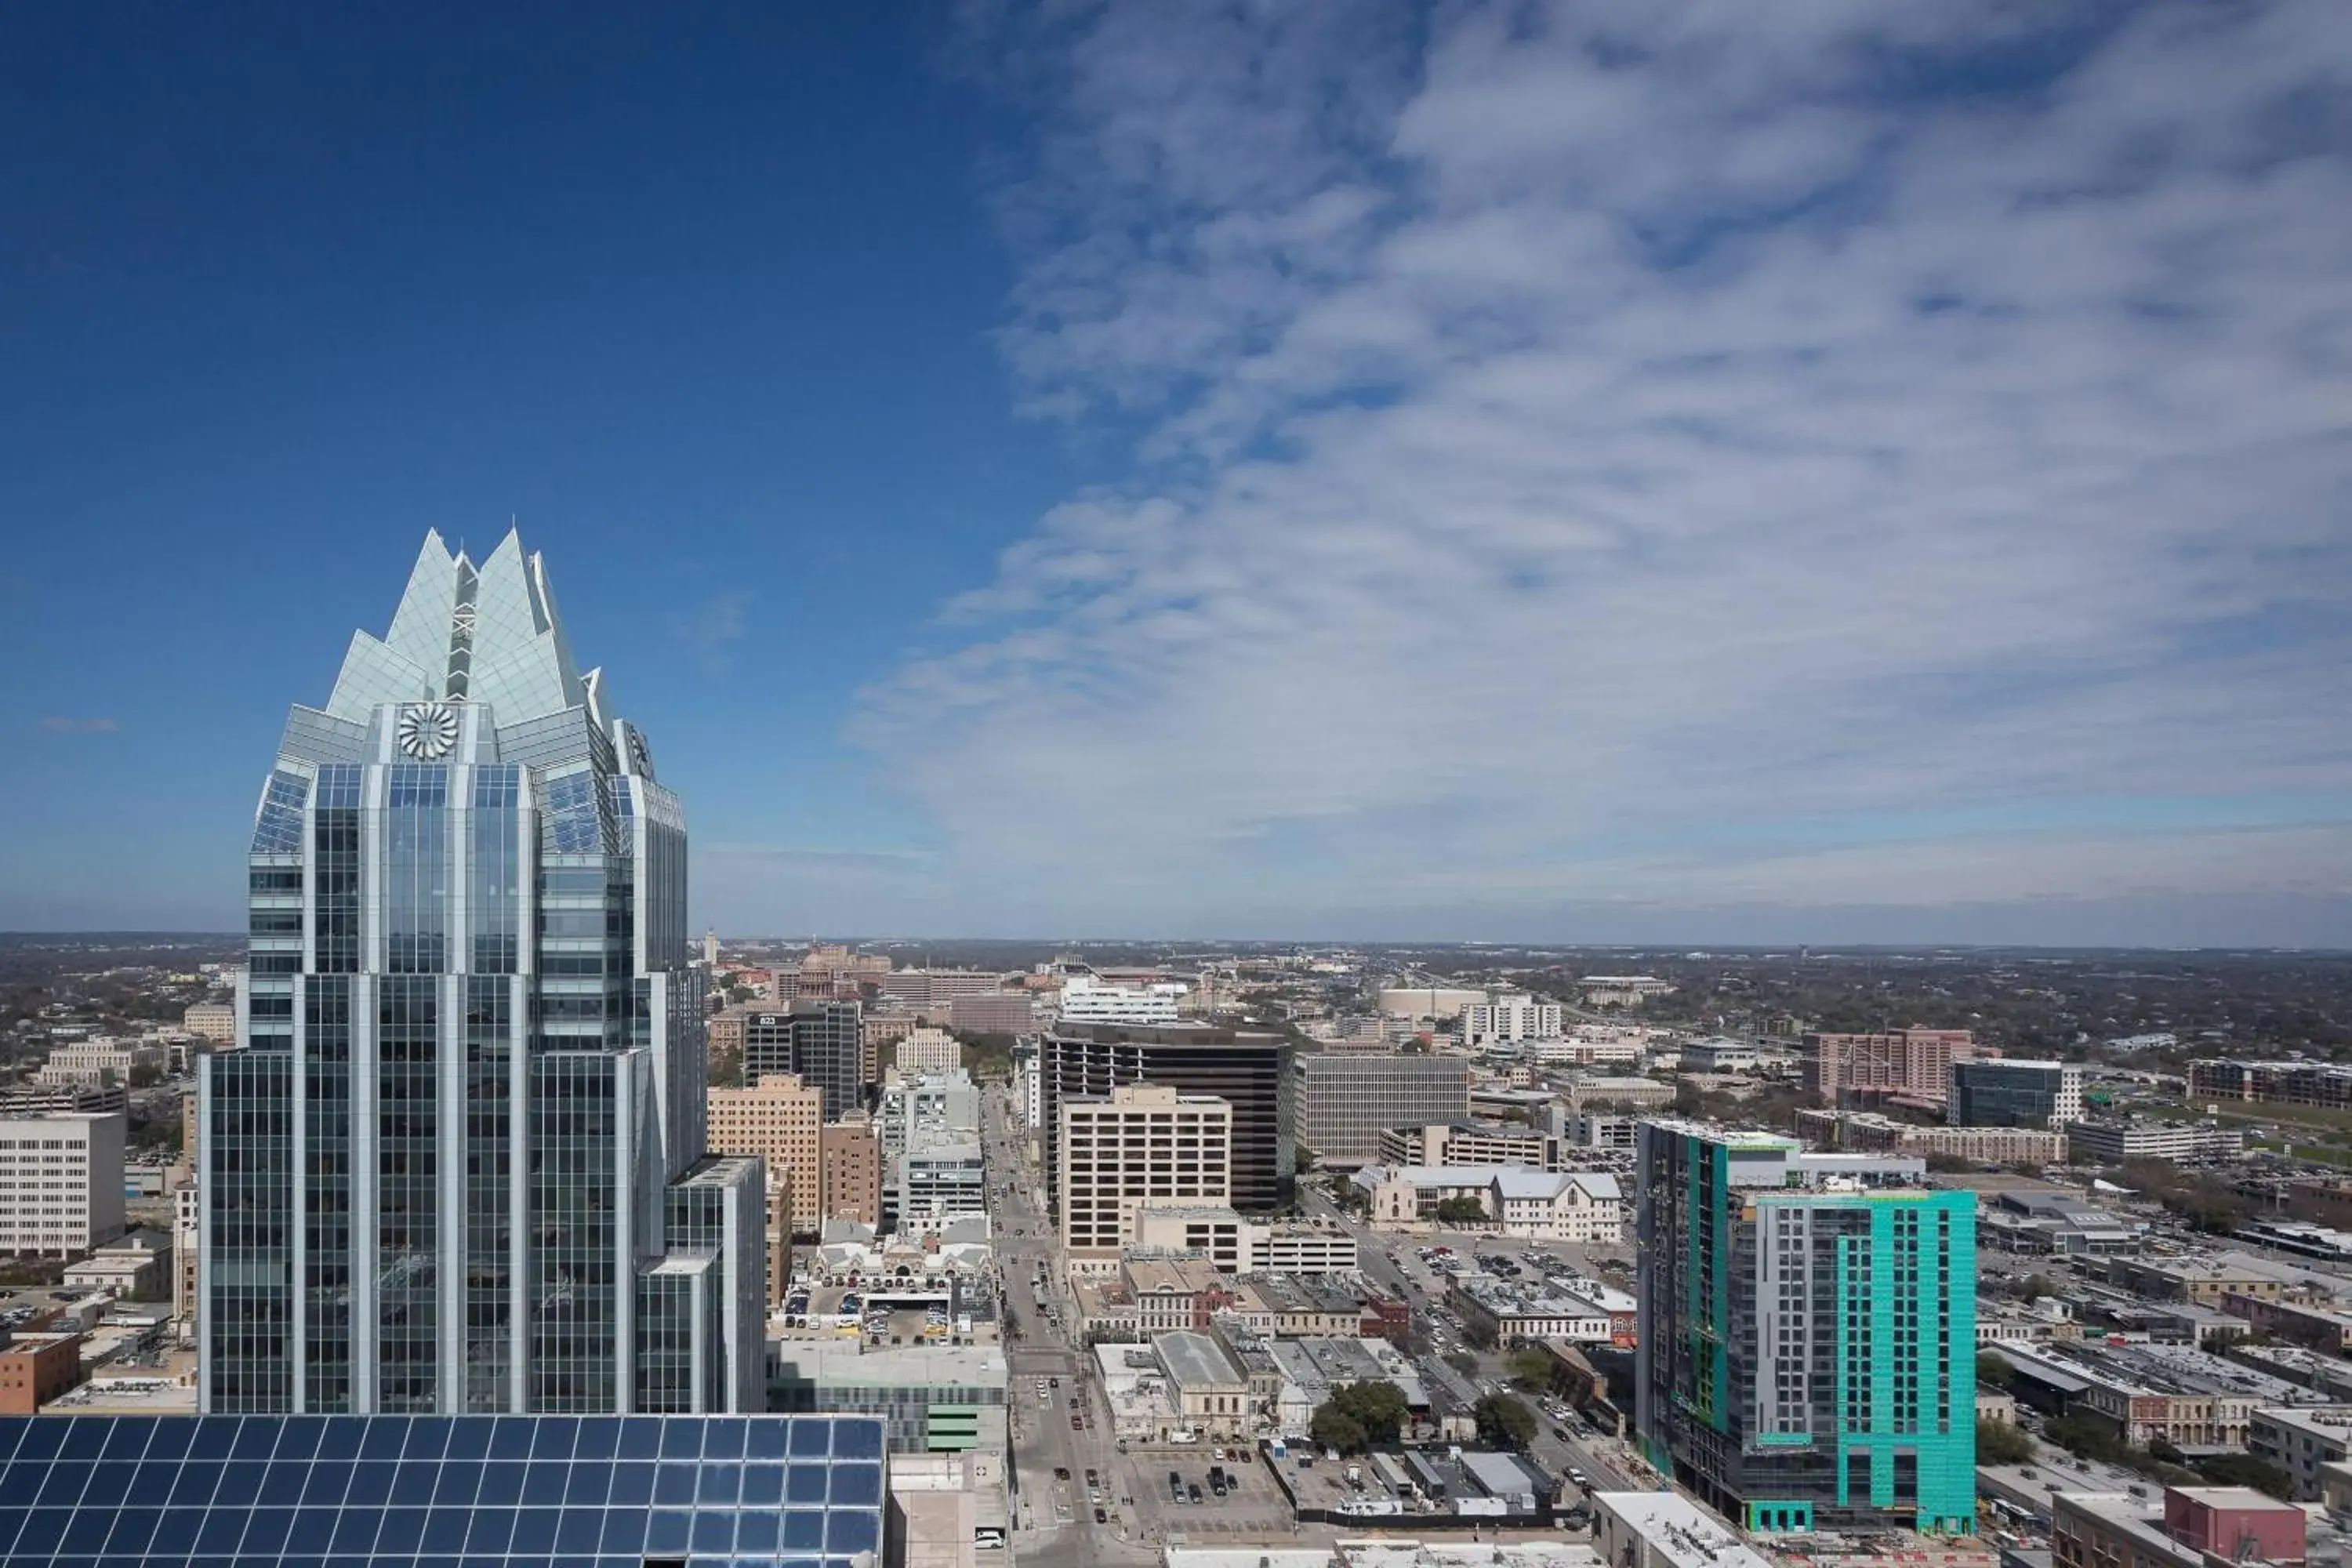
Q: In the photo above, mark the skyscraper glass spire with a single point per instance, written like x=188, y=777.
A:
x=460, y=1164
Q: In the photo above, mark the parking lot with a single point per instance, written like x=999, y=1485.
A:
x=1252, y=1503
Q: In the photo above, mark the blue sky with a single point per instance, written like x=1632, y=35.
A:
x=1708, y=473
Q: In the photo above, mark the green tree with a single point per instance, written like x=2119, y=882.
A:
x=1531, y=1368
x=1304, y=1158
x=1993, y=1371
x=1999, y=1442
x=1504, y=1422
x=1360, y=1416
x=1463, y=1361
x=1460, y=1211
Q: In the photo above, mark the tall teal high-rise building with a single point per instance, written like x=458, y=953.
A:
x=459, y=1164
x=1808, y=1332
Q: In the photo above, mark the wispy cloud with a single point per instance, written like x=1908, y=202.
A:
x=80, y=726
x=716, y=627
x=1583, y=423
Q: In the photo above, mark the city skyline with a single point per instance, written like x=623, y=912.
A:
x=1690, y=478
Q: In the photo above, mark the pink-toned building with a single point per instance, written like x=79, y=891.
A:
x=1912, y=1064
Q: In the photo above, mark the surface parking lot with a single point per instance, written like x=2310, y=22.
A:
x=1252, y=1504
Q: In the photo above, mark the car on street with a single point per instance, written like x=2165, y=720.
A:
x=1101, y=1518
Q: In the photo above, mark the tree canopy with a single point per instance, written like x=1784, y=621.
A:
x=1504, y=1422
x=1360, y=1416
x=1998, y=1443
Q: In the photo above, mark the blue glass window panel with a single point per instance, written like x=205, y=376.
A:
x=386, y=1437
x=86, y=1440
x=714, y=1534
x=339, y=784
x=133, y=1529
x=667, y=1530
x=556, y=1436
x=803, y=1562
x=298, y=1439
x=240, y=1483
x=282, y=1483
x=151, y=1485
x=326, y=1485
x=39, y=1536
x=265, y=1536
x=199, y=1478
x=857, y=1483
x=765, y=1440
x=589, y=1485
x=22, y=1483
x=87, y=1532
x=314, y=1531
x=458, y=1485
x=445, y=1530
x=341, y=1440
x=633, y=1486
x=534, y=1532
x=403, y=1529
x=625, y=1531
x=578, y=1531
x=255, y=1438
x=722, y=1485
x=542, y=1486
x=470, y=1440
x=64, y=1486
x=176, y=1532
x=511, y=1438
x=41, y=1439
x=355, y=1531
x=417, y=784
x=763, y=1486
x=370, y=1487
x=755, y=1531
x=129, y=1439
x=501, y=1486
x=811, y=1439
x=223, y=1529
x=849, y=1531
x=681, y=1439
x=12, y=1519
x=805, y=1529
x=722, y=1439
x=411, y=1484
x=597, y=1437
x=496, y=786
x=492, y=1528
x=278, y=824
x=675, y=1484
x=640, y=1439
x=214, y=1561
x=428, y=1437
x=806, y=1483
x=856, y=1439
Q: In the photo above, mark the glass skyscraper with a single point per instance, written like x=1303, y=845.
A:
x=460, y=1164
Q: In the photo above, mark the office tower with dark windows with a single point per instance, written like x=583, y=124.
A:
x=818, y=1041
x=1251, y=1072
x=1807, y=1348
x=460, y=1165
x=2007, y=1091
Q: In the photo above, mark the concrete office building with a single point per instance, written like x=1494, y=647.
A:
x=1005, y=1013
x=1509, y=1018
x=851, y=1181
x=2321, y=1085
x=781, y=1120
x=2000, y=1091
x=460, y=1164
x=821, y=1041
x=2111, y=1142
x=1913, y=1063
x=926, y=1049
x=1142, y=1143
x=1344, y=1101
x=60, y=1184
x=1251, y=1072
x=924, y=989
x=1807, y=1340
x=214, y=1021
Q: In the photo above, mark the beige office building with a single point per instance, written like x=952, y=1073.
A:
x=926, y=1049
x=60, y=1184
x=782, y=1121
x=214, y=1021
x=1144, y=1142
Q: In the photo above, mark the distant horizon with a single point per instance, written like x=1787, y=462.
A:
x=1691, y=950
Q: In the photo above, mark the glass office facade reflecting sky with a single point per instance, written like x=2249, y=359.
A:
x=435, y=1180
x=798, y=1492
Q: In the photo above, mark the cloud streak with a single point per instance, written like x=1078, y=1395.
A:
x=63, y=726
x=1573, y=425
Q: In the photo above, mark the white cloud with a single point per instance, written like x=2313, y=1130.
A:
x=1582, y=425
